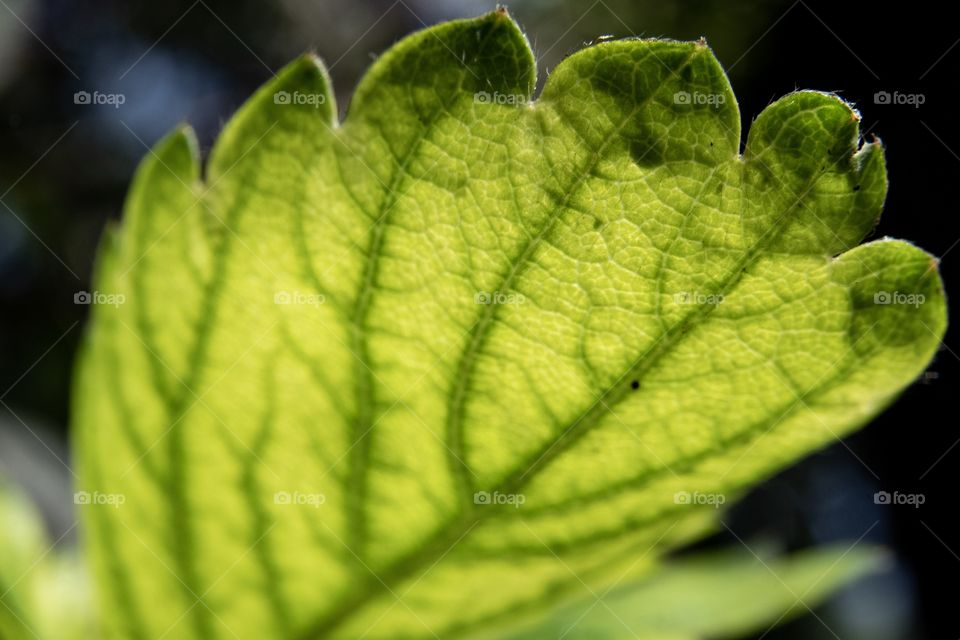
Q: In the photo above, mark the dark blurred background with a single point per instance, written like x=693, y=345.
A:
x=64, y=169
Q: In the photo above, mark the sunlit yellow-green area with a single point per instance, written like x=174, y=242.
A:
x=436, y=368
x=44, y=593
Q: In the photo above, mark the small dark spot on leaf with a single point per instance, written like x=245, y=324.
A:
x=635, y=385
x=596, y=223
x=856, y=187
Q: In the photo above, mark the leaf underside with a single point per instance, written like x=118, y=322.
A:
x=728, y=594
x=665, y=314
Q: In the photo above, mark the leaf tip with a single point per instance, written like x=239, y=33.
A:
x=446, y=62
x=185, y=135
x=311, y=62
x=898, y=300
x=178, y=153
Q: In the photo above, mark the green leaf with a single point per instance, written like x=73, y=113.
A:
x=21, y=544
x=438, y=365
x=729, y=594
x=44, y=591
